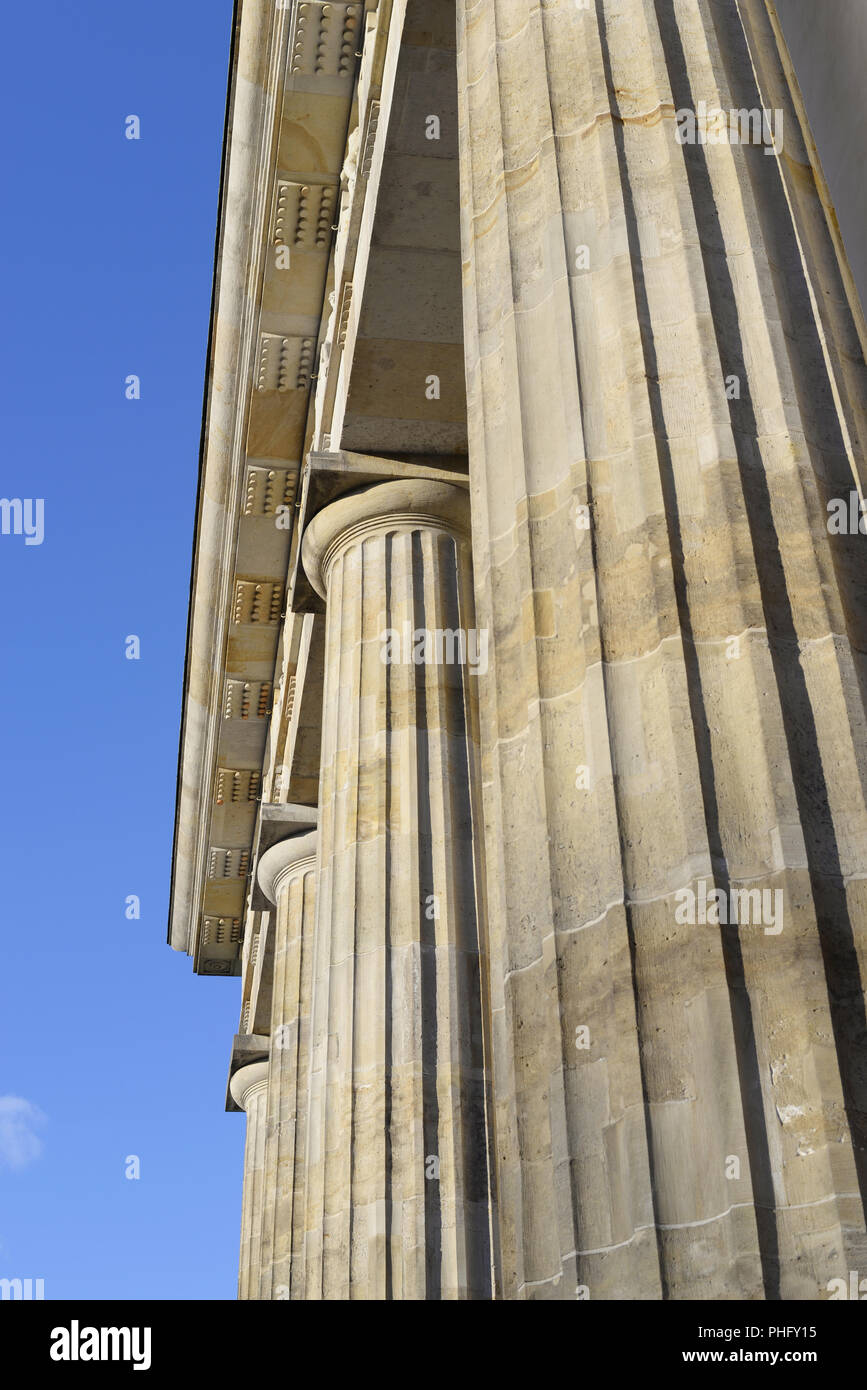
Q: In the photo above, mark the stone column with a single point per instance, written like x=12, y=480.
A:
x=397, y=1182
x=249, y=1087
x=287, y=877
x=665, y=389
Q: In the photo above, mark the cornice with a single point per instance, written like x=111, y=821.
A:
x=254, y=84
x=234, y=624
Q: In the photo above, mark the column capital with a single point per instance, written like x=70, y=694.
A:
x=247, y=1082
x=399, y=505
x=287, y=858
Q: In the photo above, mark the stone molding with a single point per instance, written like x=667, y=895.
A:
x=285, y=860
x=245, y=178
x=399, y=506
x=247, y=1082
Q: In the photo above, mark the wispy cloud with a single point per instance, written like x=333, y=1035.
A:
x=19, y=1142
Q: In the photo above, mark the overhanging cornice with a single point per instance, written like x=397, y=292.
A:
x=291, y=91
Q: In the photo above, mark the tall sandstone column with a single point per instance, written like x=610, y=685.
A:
x=249, y=1088
x=397, y=1166
x=287, y=875
x=665, y=389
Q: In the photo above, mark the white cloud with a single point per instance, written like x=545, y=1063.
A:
x=19, y=1121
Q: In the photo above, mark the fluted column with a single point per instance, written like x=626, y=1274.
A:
x=397, y=1186
x=249, y=1086
x=665, y=388
x=288, y=879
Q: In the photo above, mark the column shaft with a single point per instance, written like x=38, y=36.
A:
x=287, y=874
x=249, y=1088
x=397, y=1198
x=658, y=415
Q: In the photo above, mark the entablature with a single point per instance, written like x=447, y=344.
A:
x=292, y=101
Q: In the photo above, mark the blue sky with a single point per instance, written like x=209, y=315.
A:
x=109, y=1045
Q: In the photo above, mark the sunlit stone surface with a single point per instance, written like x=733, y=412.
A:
x=525, y=752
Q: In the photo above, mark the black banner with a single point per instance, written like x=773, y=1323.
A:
x=82, y=1339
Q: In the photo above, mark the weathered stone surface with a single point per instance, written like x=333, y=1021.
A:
x=501, y=967
x=677, y=682
x=287, y=873
x=398, y=1197
x=249, y=1088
